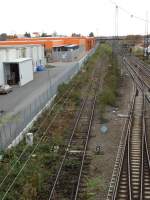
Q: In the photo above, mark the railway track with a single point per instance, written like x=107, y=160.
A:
x=68, y=182
x=121, y=163
x=129, y=183
x=132, y=171
x=146, y=173
x=142, y=71
x=131, y=175
x=142, y=65
x=137, y=78
x=135, y=148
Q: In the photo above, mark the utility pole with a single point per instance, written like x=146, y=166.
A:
x=116, y=22
x=116, y=30
x=146, y=38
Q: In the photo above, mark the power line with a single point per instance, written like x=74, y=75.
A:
x=128, y=12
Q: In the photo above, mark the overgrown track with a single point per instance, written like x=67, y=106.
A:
x=67, y=184
x=44, y=126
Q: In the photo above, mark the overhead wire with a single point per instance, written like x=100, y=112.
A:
x=128, y=12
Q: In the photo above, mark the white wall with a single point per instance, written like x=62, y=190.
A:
x=34, y=56
x=36, y=53
x=26, y=72
x=11, y=54
x=1, y=74
x=29, y=52
x=41, y=54
x=2, y=55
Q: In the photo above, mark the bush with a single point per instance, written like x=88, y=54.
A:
x=108, y=97
x=111, y=81
x=62, y=88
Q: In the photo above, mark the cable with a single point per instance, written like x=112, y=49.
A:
x=128, y=12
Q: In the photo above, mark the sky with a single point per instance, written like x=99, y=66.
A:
x=69, y=16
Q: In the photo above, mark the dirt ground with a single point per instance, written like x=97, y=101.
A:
x=101, y=166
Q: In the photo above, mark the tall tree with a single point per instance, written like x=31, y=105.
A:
x=27, y=35
x=91, y=34
x=3, y=36
x=76, y=35
x=44, y=34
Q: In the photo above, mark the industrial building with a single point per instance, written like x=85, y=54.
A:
x=49, y=42
x=64, y=49
x=17, y=63
x=22, y=55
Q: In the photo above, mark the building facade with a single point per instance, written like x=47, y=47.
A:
x=13, y=58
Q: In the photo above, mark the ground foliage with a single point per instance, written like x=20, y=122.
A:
x=34, y=180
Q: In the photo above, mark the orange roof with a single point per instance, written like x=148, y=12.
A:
x=49, y=42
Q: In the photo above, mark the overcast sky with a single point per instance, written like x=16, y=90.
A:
x=68, y=16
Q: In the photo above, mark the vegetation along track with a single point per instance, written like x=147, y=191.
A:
x=40, y=128
x=67, y=182
x=28, y=168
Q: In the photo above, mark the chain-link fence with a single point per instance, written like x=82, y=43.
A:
x=68, y=56
x=12, y=125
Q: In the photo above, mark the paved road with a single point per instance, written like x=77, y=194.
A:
x=23, y=96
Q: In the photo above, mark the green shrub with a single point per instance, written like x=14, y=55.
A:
x=111, y=81
x=62, y=88
x=108, y=97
